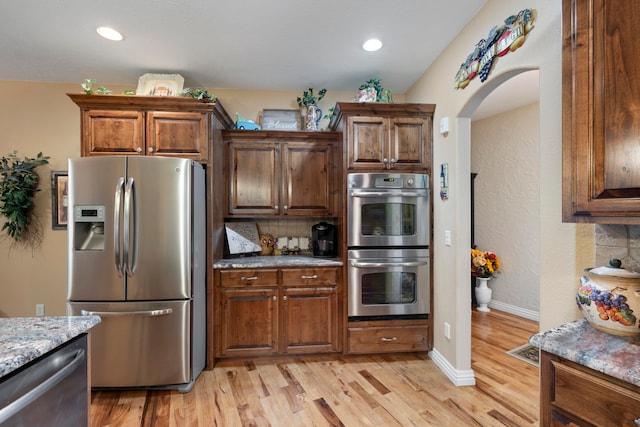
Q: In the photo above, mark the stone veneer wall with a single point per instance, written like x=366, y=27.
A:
x=617, y=241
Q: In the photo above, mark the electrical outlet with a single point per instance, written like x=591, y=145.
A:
x=40, y=310
x=447, y=330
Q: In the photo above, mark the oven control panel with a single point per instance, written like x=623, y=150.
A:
x=387, y=181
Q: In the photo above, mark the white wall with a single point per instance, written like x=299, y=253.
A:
x=504, y=154
x=564, y=248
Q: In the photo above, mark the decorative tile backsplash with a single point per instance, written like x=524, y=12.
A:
x=618, y=241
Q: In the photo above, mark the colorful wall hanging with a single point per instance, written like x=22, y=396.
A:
x=499, y=42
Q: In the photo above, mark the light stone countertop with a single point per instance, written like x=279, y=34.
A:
x=579, y=342
x=276, y=261
x=23, y=339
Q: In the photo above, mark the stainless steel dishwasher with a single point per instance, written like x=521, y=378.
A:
x=52, y=390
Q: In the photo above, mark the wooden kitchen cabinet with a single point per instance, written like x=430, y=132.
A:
x=573, y=395
x=388, y=336
x=281, y=173
x=601, y=111
x=277, y=311
x=146, y=125
x=382, y=137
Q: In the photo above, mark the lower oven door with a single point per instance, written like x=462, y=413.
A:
x=388, y=282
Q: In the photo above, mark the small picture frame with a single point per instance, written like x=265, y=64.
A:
x=160, y=85
x=59, y=199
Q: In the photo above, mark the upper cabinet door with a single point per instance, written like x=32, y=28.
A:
x=408, y=142
x=601, y=111
x=368, y=142
x=109, y=132
x=253, y=178
x=307, y=184
x=172, y=133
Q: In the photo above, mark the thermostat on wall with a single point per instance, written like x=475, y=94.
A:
x=444, y=125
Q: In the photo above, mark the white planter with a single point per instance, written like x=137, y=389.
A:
x=483, y=293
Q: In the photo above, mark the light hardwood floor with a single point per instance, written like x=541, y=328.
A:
x=389, y=390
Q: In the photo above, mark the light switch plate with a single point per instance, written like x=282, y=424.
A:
x=447, y=237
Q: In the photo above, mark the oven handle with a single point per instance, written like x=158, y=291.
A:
x=388, y=194
x=389, y=264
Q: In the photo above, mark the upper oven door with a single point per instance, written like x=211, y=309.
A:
x=391, y=217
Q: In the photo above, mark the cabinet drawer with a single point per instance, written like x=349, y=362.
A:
x=601, y=402
x=310, y=277
x=248, y=278
x=387, y=339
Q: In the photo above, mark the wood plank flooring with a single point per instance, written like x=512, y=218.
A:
x=383, y=390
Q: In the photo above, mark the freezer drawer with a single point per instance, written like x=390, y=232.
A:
x=139, y=344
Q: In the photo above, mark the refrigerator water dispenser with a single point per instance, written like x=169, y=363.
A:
x=88, y=223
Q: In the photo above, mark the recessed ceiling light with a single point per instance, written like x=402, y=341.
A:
x=372, y=45
x=109, y=33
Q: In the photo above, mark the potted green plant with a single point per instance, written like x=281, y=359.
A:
x=312, y=112
x=309, y=98
x=200, y=94
x=372, y=91
x=18, y=186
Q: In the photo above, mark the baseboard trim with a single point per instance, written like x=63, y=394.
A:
x=457, y=377
x=517, y=311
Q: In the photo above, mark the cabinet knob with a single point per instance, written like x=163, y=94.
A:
x=385, y=160
x=284, y=298
x=637, y=421
x=383, y=339
x=150, y=149
x=274, y=298
x=249, y=278
x=394, y=160
x=286, y=207
x=315, y=276
x=139, y=149
x=275, y=207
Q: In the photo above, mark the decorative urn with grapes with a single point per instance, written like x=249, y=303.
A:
x=609, y=298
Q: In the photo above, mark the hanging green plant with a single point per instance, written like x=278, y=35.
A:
x=18, y=186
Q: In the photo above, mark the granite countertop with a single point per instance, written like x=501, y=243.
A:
x=23, y=339
x=579, y=342
x=277, y=261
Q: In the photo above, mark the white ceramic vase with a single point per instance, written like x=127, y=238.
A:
x=483, y=293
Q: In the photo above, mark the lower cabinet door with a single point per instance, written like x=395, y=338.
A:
x=249, y=322
x=309, y=320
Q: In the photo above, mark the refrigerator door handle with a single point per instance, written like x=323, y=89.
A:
x=130, y=227
x=119, y=263
x=151, y=313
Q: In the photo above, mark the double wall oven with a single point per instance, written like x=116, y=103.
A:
x=388, y=234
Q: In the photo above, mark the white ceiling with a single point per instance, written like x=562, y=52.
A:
x=253, y=44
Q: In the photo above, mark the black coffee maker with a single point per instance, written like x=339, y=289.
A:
x=323, y=239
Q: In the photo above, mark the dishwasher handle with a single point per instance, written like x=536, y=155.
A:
x=77, y=357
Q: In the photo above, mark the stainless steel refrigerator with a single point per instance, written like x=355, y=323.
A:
x=137, y=259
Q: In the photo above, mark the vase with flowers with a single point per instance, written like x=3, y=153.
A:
x=484, y=265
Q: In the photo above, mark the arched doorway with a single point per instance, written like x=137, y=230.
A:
x=505, y=158
x=463, y=126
